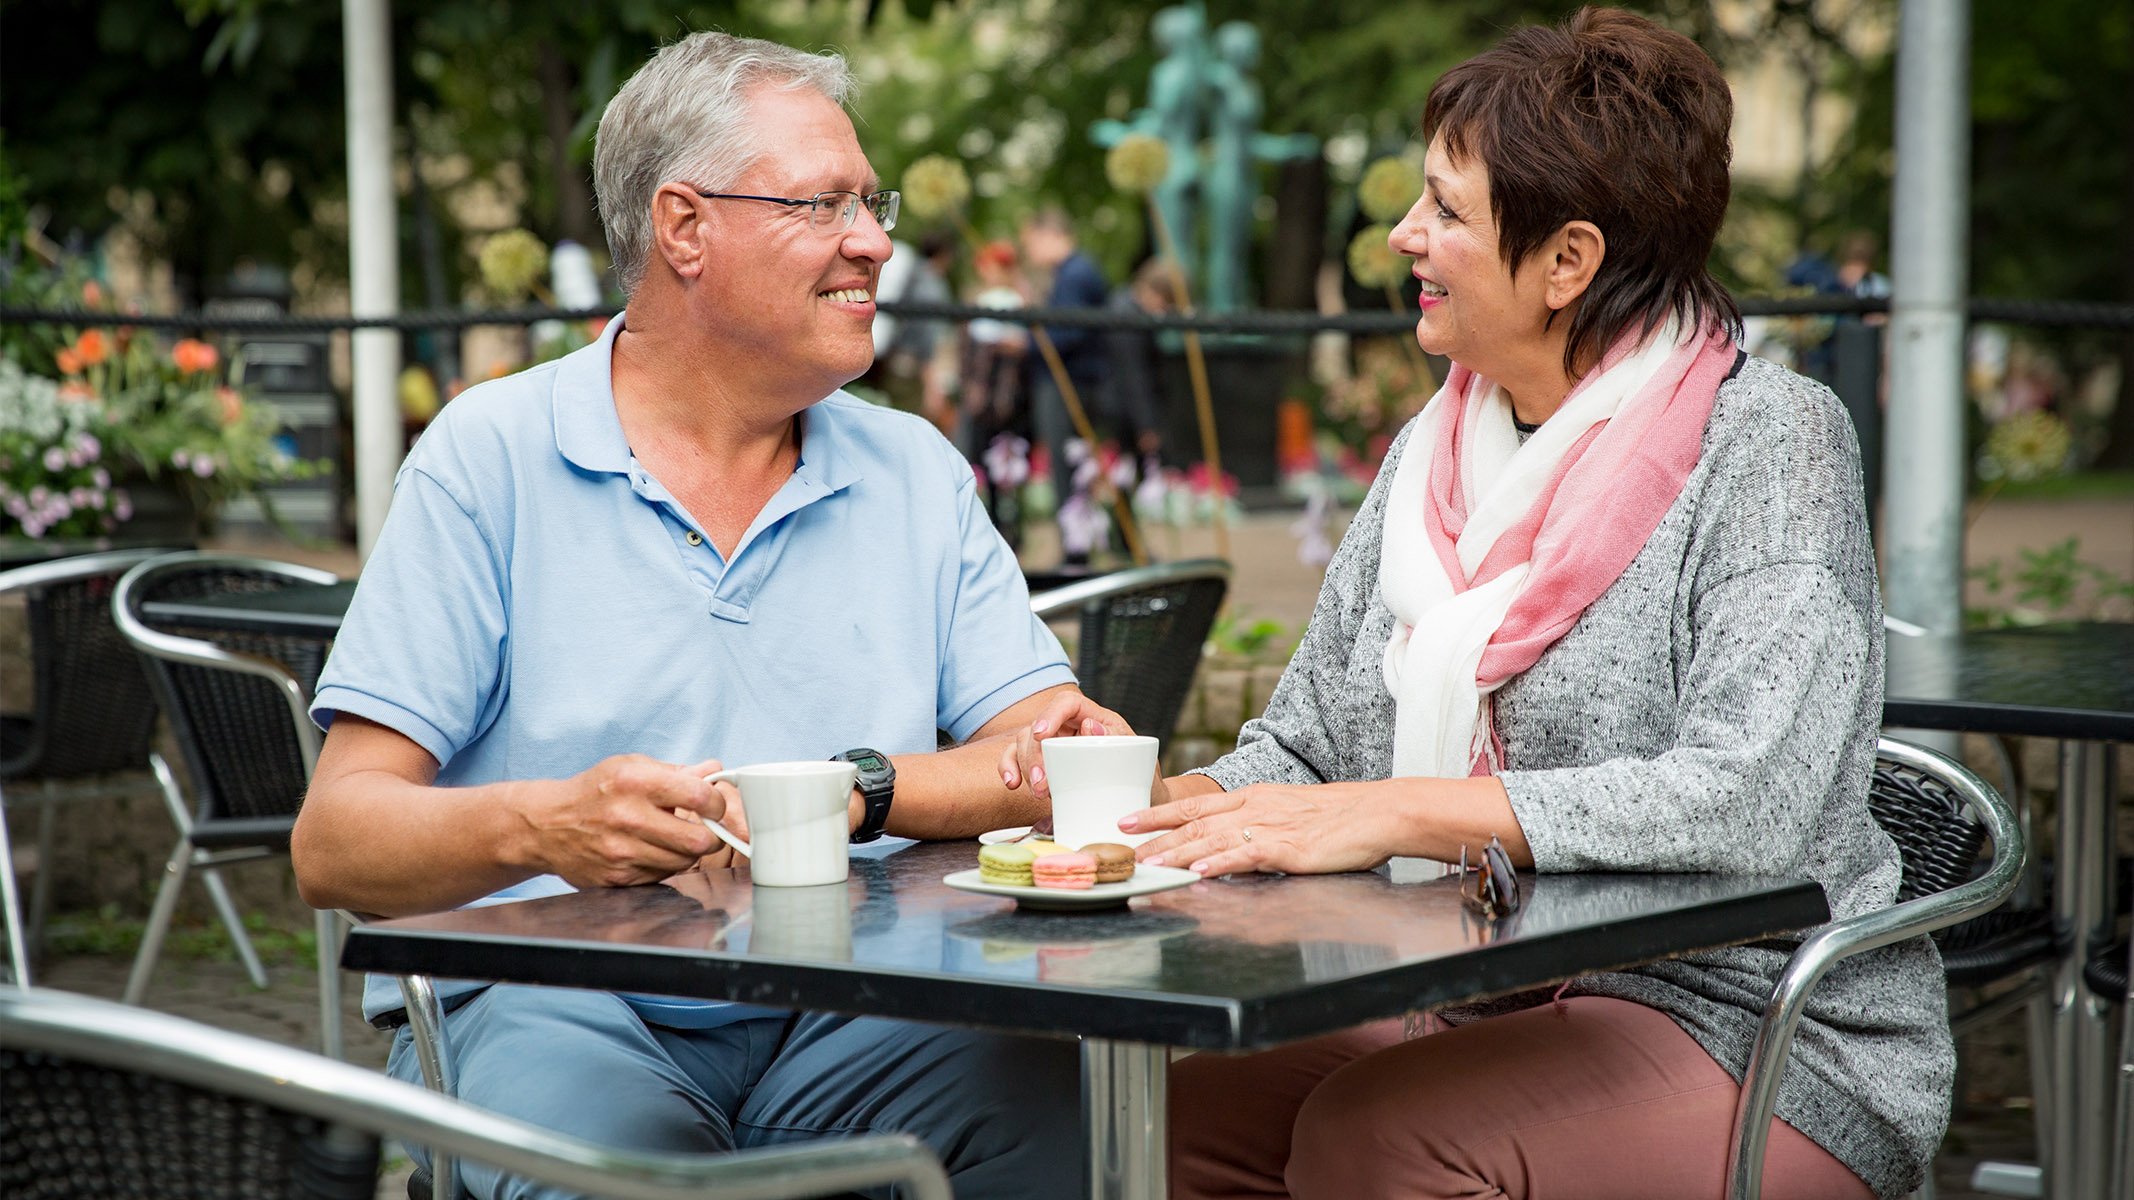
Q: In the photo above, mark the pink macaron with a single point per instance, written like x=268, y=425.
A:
x=1072, y=871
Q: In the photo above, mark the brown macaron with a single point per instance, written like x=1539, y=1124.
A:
x=1115, y=863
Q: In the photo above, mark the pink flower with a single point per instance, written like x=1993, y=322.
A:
x=55, y=459
x=203, y=465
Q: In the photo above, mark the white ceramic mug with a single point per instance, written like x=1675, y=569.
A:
x=1094, y=782
x=799, y=814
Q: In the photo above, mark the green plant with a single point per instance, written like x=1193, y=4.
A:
x=1260, y=638
x=107, y=933
x=2052, y=584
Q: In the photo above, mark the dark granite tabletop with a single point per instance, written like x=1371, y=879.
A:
x=2062, y=681
x=1239, y=963
x=300, y=608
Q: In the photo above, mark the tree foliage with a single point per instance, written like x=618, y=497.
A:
x=214, y=128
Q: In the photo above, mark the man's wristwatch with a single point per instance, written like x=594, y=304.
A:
x=877, y=782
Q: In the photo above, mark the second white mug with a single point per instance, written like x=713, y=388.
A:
x=1095, y=781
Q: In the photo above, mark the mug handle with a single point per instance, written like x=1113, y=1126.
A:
x=725, y=835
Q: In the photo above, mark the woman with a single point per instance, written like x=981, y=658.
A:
x=1612, y=600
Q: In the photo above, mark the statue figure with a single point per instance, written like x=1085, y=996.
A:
x=1233, y=184
x=1177, y=87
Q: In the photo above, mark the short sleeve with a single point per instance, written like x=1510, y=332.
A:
x=994, y=651
x=421, y=650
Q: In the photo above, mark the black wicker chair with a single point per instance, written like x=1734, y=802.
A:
x=90, y=715
x=237, y=708
x=1141, y=632
x=1939, y=814
x=117, y=1103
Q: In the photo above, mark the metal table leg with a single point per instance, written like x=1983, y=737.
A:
x=2082, y=902
x=1125, y=1091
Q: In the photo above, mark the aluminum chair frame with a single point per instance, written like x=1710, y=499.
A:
x=1826, y=947
x=21, y=934
x=185, y=856
x=292, y=1080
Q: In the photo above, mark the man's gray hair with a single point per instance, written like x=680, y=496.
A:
x=685, y=116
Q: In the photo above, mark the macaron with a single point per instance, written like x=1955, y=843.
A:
x=1007, y=864
x=1115, y=863
x=1041, y=847
x=1072, y=871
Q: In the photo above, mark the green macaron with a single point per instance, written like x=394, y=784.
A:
x=1007, y=864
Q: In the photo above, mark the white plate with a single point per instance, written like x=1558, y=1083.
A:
x=1146, y=880
x=998, y=836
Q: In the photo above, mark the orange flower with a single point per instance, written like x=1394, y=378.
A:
x=74, y=391
x=69, y=362
x=91, y=347
x=233, y=405
x=93, y=294
x=193, y=355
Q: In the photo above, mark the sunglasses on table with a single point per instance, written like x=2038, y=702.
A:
x=1490, y=886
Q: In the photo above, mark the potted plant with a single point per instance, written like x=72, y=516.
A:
x=106, y=428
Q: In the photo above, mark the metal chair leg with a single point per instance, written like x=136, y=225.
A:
x=329, y=944
x=212, y=879
x=144, y=962
x=426, y=1028
x=2123, y=1141
x=18, y=950
x=174, y=801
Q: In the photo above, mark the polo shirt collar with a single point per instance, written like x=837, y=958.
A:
x=589, y=433
x=827, y=460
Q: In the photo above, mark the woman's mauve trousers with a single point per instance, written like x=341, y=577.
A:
x=1590, y=1099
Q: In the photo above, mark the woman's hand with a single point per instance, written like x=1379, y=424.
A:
x=1068, y=714
x=1299, y=830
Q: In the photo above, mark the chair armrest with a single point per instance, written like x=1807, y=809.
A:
x=284, y=1077
x=1842, y=939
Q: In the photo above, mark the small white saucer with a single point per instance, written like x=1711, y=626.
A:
x=997, y=836
x=1146, y=880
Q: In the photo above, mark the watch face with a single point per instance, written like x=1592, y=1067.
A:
x=869, y=764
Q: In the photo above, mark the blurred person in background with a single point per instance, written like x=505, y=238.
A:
x=1073, y=280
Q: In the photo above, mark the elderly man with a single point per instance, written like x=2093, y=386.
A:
x=602, y=575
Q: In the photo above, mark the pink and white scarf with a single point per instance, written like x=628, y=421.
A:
x=1493, y=549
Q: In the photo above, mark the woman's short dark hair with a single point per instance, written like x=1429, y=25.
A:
x=1612, y=119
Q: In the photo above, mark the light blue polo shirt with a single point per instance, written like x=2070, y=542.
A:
x=537, y=602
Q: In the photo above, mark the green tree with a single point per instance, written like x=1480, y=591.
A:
x=137, y=113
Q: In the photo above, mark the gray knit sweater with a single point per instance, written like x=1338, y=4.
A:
x=1714, y=711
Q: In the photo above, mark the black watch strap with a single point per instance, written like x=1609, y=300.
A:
x=877, y=782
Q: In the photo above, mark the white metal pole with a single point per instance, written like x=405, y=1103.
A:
x=373, y=257
x=1923, y=446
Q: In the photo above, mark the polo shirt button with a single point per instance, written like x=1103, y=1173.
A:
x=694, y=538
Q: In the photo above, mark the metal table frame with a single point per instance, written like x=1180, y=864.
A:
x=1930, y=689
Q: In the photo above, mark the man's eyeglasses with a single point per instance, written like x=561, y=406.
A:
x=832, y=210
x=1490, y=887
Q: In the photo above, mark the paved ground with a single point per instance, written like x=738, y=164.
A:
x=1992, y=1115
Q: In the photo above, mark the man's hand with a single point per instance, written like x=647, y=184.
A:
x=615, y=824
x=1068, y=713
x=722, y=855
